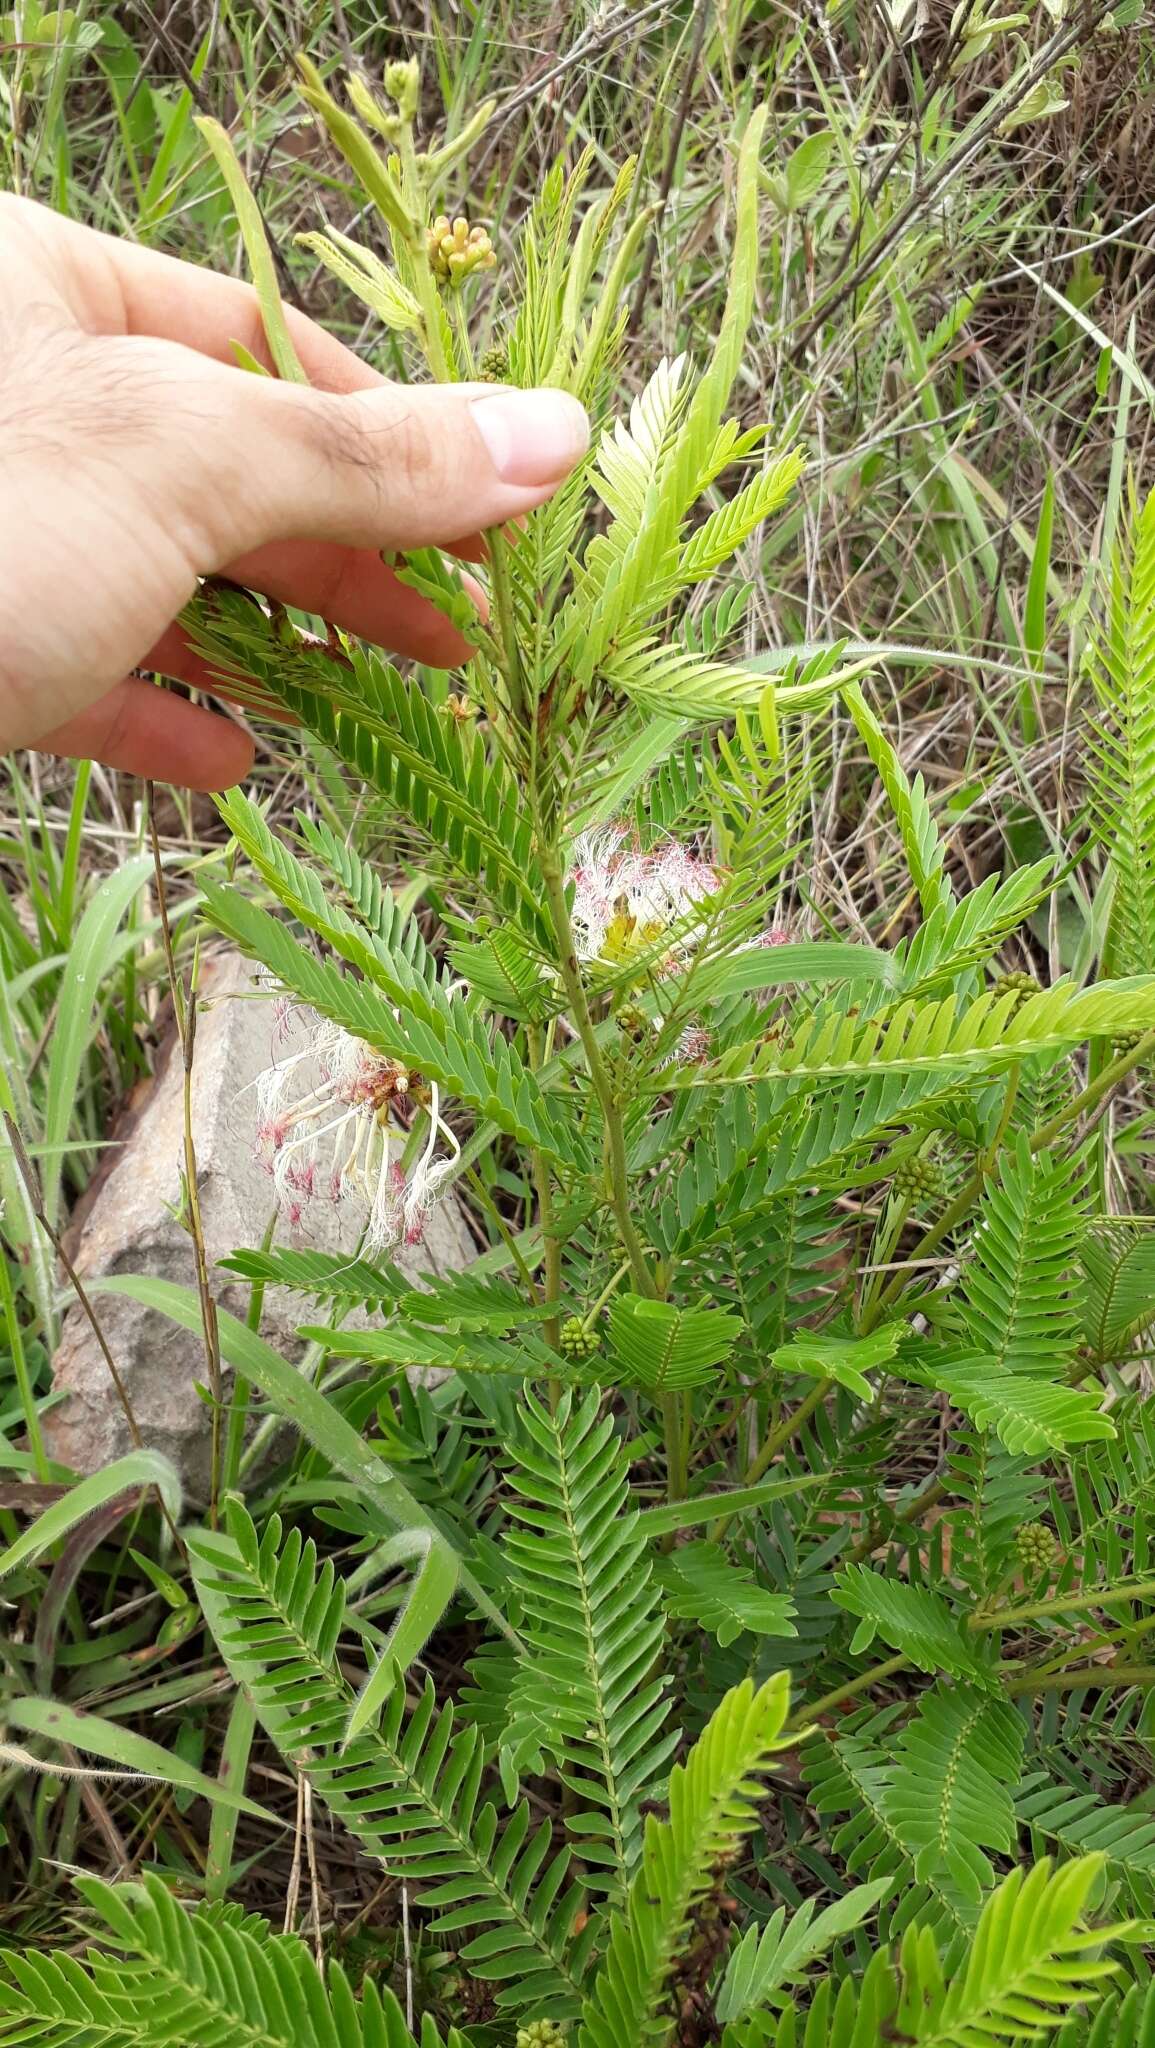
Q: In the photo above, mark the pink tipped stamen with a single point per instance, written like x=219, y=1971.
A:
x=350, y=1105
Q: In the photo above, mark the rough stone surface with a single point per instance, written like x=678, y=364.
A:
x=130, y=1226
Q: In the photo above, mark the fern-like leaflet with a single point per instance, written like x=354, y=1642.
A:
x=1031, y=1966
x=215, y=1978
x=593, y=1625
x=410, y=1789
x=1122, y=745
x=711, y=1799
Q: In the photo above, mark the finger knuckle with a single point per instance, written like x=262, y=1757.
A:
x=400, y=442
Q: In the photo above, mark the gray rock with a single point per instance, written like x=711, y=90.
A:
x=130, y=1226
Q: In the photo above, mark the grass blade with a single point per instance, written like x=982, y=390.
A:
x=98, y=1737
x=304, y=1405
x=140, y=1469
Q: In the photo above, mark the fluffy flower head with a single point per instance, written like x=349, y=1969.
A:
x=624, y=899
x=327, y=1125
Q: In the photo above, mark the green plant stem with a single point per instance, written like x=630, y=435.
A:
x=677, y=1448
x=461, y=327
x=929, y=1242
x=20, y=1368
x=231, y=1462
x=849, y=1691
x=1089, y=1099
x=424, y=282
x=928, y=1498
x=1089, y=1676
x=1092, y=1095
x=618, y=1175
x=551, y=1247
x=1066, y=1603
x=1041, y=1681
x=677, y=1453
x=786, y=1429
x=27, y=1240
x=485, y=1201
x=1099, y=1676
x=185, y=1012
x=880, y=1252
x=610, y=1287
x=31, y=1181
x=1105, y=1639
x=773, y=1445
x=501, y=590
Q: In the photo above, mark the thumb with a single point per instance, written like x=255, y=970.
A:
x=394, y=466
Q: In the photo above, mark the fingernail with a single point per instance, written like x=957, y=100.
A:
x=532, y=437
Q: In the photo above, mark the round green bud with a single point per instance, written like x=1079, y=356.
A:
x=1037, y=1548
x=633, y=1020
x=917, y=1179
x=576, y=1342
x=540, y=2034
x=1021, y=986
x=493, y=367
x=1126, y=1041
x=403, y=83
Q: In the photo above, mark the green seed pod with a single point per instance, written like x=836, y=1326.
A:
x=540, y=2034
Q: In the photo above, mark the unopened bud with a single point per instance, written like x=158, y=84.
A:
x=1126, y=1041
x=1021, y=986
x=456, y=250
x=632, y=1019
x=403, y=84
x=918, y=1179
x=540, y=2034
x=494, y=365
x=1037, y=1548
x=371, y=111
x=576, y=1342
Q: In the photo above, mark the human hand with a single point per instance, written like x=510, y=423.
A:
x=136, y=458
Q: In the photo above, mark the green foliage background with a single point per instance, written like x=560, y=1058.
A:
x=746, y=1640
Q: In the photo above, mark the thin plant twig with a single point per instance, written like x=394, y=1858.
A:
x=184, y=1010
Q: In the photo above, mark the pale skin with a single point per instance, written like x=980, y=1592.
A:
x=136, y=457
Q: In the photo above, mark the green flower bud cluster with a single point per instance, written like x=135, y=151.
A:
x=1037, y=1548
x=493, y=367
x=576, y=1342
x=918, y=1179
x=540, y=2034
x=1021, y=986
x=403, y=83
x=633, y=1021
x=1126, y=1042
x=456, y=250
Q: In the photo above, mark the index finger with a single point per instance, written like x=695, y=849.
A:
x=111, y=286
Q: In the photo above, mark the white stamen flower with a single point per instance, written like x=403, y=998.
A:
x=325, y=1125
x=429, y=1174
x=625, y=899
x=694, y=1046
